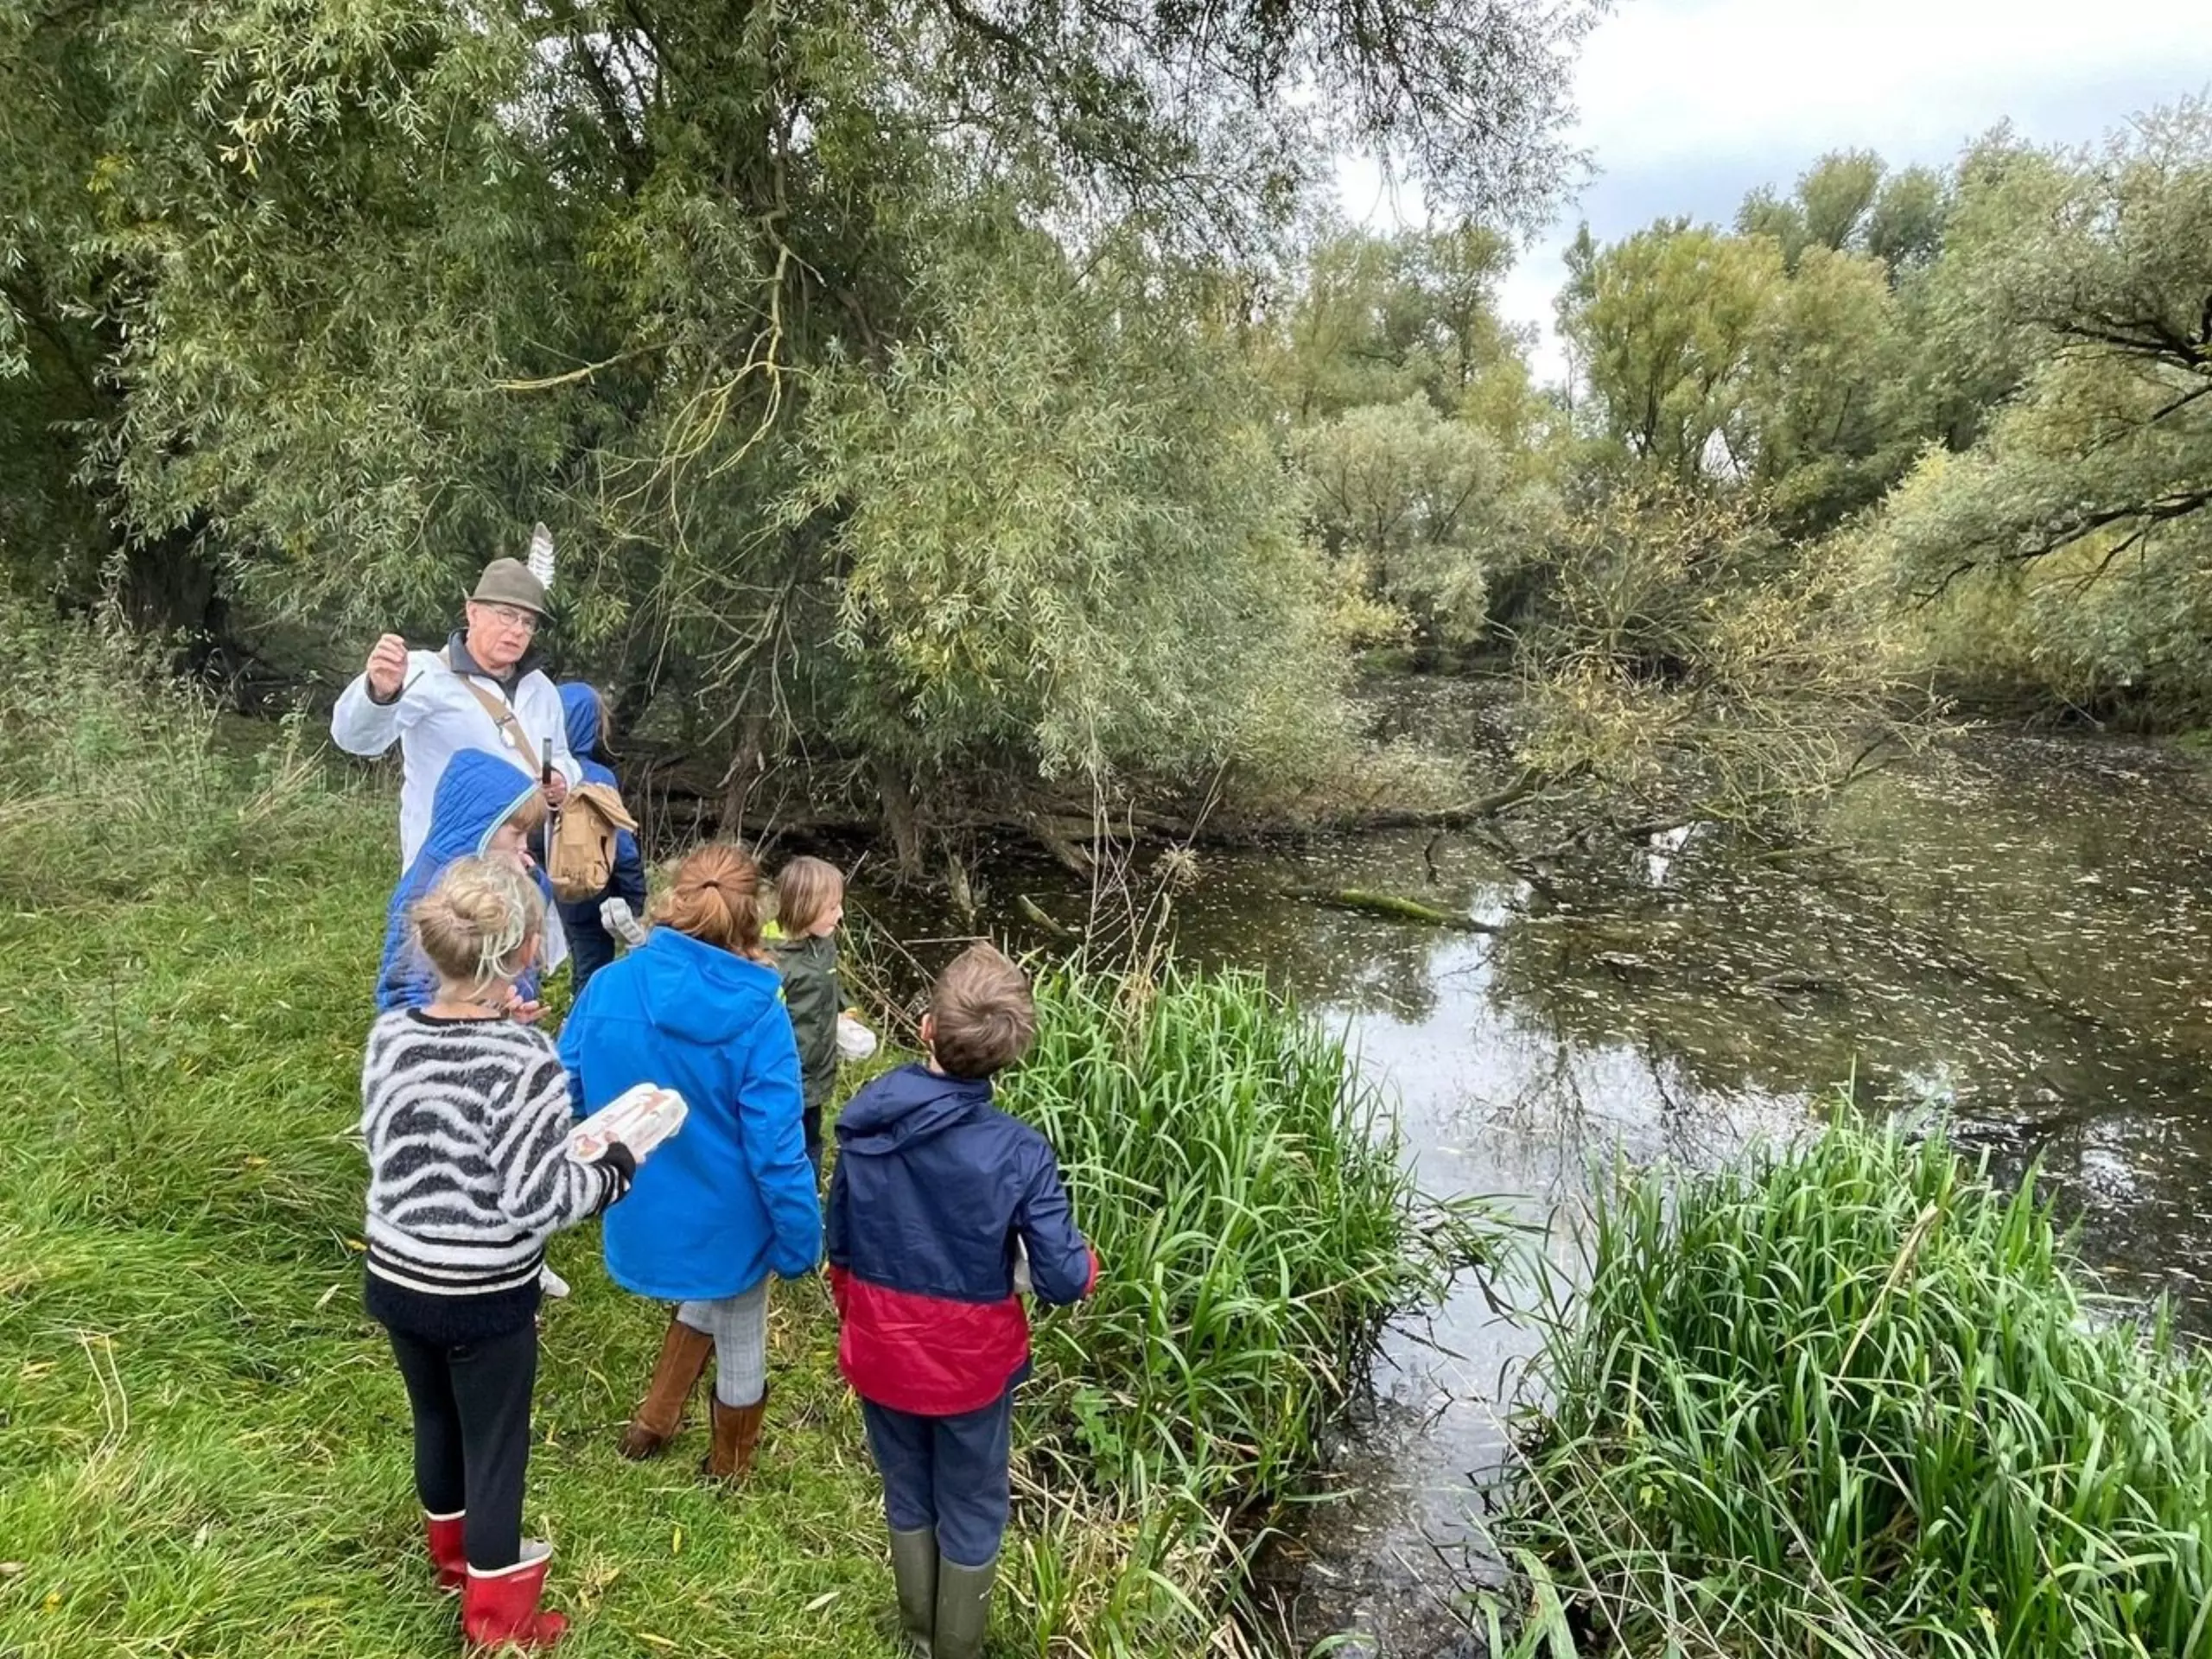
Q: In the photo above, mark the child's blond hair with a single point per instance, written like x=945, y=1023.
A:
x=474, y=924
x=805, y=888
x=529, y=814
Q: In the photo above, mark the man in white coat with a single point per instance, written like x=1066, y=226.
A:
x=482, y=691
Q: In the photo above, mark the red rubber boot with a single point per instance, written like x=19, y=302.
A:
x=442, y=1534
x=499, y=1608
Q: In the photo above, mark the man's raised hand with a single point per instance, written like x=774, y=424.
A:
x=387, y=668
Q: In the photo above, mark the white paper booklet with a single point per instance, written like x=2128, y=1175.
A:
x=640, y=1118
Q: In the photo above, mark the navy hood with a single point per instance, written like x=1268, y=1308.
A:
x=699, y=992
x=580, y=703
x=906, y=1106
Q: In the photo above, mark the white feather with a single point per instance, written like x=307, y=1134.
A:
x=541, y=556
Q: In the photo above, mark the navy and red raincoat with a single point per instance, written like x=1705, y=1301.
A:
x=932, y=1188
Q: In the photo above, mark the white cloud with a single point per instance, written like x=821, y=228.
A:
x=1681, y=80
x=1685, y=105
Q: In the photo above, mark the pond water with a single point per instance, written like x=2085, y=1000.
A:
x=2008, y=933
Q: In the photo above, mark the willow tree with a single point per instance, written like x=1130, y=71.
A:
x=1664, y=324
x=720, y=290
x=2085, y=507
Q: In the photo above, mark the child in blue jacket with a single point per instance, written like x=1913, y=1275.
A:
x=933, y=1190
x=591, y=947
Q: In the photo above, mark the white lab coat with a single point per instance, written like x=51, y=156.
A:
x=435, y=718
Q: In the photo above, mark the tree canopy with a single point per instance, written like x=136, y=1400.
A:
x=823, y=336
x=974, y=397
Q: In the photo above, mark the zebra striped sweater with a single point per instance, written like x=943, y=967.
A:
x=466, y=1122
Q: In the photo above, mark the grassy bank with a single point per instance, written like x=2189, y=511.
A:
x=1850, y=1399
x=203, y=1445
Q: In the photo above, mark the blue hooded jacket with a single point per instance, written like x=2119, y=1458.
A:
x=730, y=1198
x=580, y=702
x=478, y=793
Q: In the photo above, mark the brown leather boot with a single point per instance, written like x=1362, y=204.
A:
x=682, y=1356
x=737, y=1436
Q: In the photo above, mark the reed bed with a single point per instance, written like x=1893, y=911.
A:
x=1851, y=1398
x=1248, y=1195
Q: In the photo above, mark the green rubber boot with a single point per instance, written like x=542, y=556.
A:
x=913, y=1569
x=963, y=1608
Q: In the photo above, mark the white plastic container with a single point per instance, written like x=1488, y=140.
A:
x=854, y=1040
x=641, y=1118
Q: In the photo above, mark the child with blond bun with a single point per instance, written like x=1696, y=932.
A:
x=465, y=1114
x=809, y=904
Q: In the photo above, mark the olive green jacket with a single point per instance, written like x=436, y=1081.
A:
x=813, y=996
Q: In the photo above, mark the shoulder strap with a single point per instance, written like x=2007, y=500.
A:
x=503, y=716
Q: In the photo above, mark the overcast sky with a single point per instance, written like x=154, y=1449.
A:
x=1685, y=105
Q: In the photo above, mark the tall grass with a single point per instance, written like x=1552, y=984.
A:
x=1249, y=1199
x=1851, y=1399
x=116, y=776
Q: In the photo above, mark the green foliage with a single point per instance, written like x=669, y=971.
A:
x=1429, y=465
x=1787, y=358
x=2086, y=507
x=1066, y=536
x=1427, y=509
x=1848, y=1397
x=1376, y=320
x=115, y=777
x=1905, y=228
x=1682, y=654
x=1837, y=195
x=1823, y=383
x=341, y=298
x=1663, y=325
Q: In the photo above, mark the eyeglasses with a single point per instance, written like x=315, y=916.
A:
x=511, y=617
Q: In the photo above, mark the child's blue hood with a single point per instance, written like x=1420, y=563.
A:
x=581, y=704
x=478, y=793
x=700, y=992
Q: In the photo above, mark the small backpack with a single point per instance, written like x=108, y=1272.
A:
x=580, y=855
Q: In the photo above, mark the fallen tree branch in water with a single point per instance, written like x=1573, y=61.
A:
x=1389, y=905
x=1479, y=810
x=1035, y=913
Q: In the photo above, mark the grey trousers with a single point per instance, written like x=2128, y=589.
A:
x=739, y=1325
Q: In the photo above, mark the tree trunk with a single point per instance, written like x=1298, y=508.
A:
x=899, y=815
x=742, y=773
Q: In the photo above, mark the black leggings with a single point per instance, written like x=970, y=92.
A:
x=471, y=1434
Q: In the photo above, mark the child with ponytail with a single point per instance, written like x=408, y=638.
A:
x=730, y=1202
x=464, y=1113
